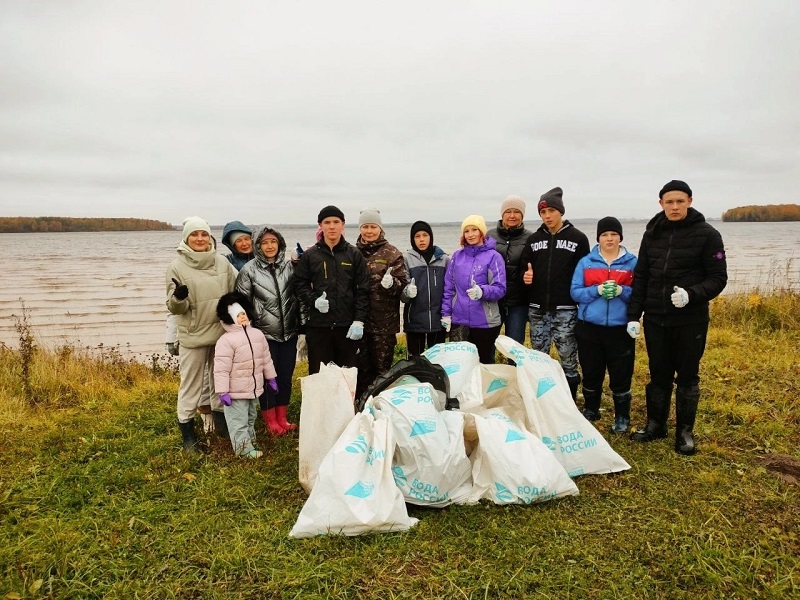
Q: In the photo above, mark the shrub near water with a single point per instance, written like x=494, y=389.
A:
x=97, y=500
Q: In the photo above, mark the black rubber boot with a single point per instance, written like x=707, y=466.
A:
x=657, y=400
x=574, y=382
x=189, y=437
x=591, y=403
x=622, y=412
x=220, y=425
x=686, y=398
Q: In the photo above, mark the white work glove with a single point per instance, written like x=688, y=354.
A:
x=356, y=331
x=475, y=292
x=388, y=281
x=679, y=297
x=446, y=322
x=302, y=348
x=601, y=288
x=633, y=329
x=411, y=289
x=322, y=304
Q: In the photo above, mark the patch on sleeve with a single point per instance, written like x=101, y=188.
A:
x=719, y=255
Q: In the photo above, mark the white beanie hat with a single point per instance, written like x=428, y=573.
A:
x=370, y=215
x=191, y=224
x=234, y=310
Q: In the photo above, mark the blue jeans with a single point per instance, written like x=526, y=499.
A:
x=516, y=320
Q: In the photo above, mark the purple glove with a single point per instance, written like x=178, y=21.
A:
x=273, y=385
x=226, y=399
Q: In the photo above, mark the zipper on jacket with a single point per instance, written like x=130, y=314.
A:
x=280, y=303
x=253, y=355
x=664, y=306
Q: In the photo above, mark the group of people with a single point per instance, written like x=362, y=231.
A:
x=241, y=321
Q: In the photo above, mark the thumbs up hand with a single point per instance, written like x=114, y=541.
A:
x=527, y=277
x=388, y=281
x=411, y=289
x=322, y=304
x=181, y=291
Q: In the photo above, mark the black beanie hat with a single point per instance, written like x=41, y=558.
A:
x=329, y=211
x=609, y=224
x=552, y=199
x=675, y=186
x=417, y=227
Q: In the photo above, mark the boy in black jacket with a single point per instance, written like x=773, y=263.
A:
x=551, y=254
x=332, y=283
x=681, y=268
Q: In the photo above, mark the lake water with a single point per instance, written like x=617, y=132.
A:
x=87, y=289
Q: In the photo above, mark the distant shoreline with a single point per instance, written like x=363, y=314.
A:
x=79, y=224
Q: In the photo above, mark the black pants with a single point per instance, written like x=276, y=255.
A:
x=330, y=344
x=417, y=342
x=605, y=348
x=674, y=350
x=284, y=358
x=482, y=338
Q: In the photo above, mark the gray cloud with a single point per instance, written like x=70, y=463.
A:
x=266, y=111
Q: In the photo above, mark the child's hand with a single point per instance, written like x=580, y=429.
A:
x=226, y=399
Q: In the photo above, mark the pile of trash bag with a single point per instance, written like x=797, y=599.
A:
x=511, y=435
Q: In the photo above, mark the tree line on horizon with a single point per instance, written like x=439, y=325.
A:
x=68, y=224
x=764, y=213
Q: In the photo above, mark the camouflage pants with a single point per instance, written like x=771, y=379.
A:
x=377, y=357
x=558, y=327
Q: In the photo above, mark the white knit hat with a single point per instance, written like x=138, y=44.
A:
x=191, y=224
x=370, y=215
x=234, y=310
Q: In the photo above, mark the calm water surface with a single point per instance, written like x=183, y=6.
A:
x=108, y=288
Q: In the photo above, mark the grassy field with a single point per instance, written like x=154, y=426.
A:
x=97, y=499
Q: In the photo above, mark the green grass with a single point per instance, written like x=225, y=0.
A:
x=97, y=499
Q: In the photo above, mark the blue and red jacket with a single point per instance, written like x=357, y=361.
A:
x=592, y=270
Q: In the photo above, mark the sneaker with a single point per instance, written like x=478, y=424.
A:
x=590, y=415
x=254, y=454
x=621, y=425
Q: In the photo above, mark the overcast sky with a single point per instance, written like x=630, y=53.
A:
x=266, y=111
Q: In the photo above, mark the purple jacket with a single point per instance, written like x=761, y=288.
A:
x=481, y=265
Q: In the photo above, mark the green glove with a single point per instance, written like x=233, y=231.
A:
x=611, y=290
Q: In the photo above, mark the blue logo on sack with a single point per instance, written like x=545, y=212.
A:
x=432, y=352
x=454, y=368
x=361, y=490
x=512, y=435
x=400, y=396
x=358, y=445
x=502, y=492
x=545, y=385
x=497, y=384
x=549, y=443
x=423, y=427
x=399, y=476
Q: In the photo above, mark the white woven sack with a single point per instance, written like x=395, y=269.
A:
x=512, y=466
x=458, y=360
x=553, y=415
x=326, y=409
x=355, y=491
x=430, y=464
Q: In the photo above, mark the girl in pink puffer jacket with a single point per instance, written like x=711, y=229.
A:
x=242, y=363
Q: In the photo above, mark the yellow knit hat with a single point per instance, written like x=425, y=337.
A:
x=474, y=221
